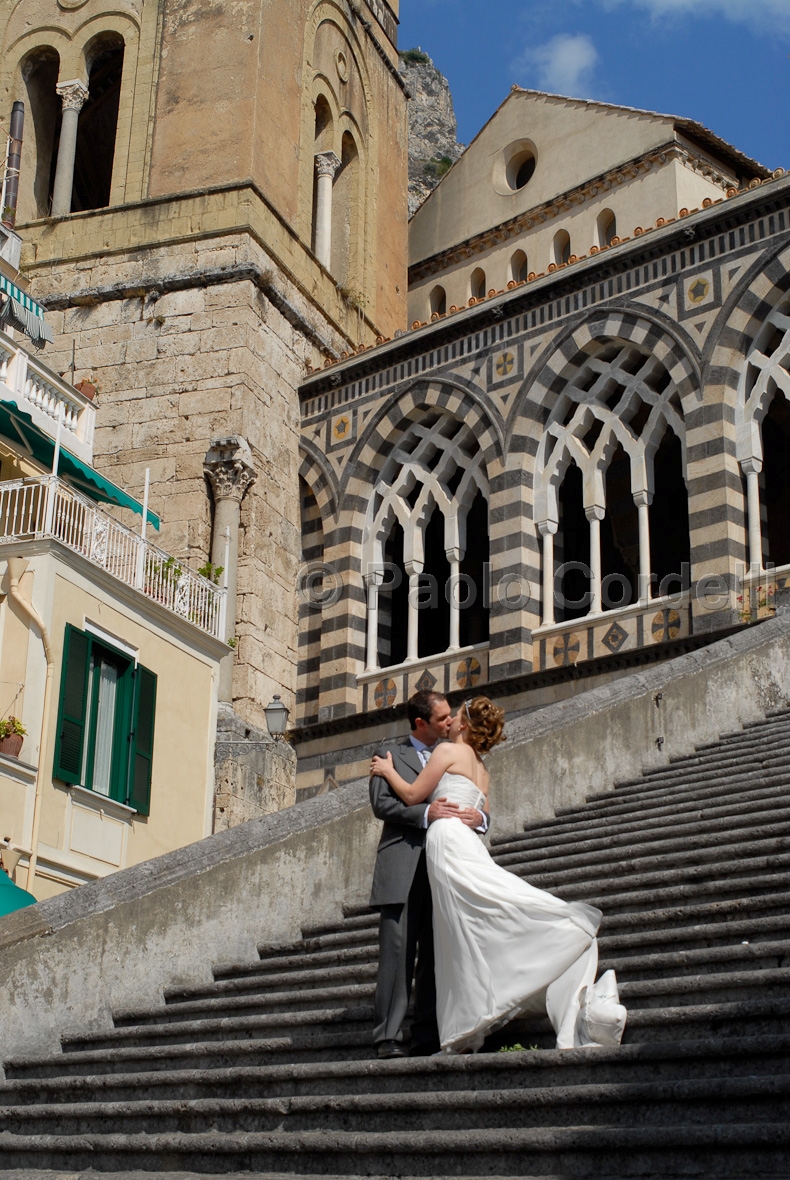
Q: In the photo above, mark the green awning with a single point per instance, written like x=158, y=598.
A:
x=22, y=312
x=12, y=897
x=17, y=425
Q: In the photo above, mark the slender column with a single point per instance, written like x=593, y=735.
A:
x=228, y=465
x=372, y=582
x=752, y=469
x=413, y=569
x=455, y=557
x=643, y=500
x=73, y=95
x=326, y=165
x=547, y=530
x=595, y=515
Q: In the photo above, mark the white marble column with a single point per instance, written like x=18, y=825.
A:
x=373, y=581
x=413, y=569
x=547, y=530
x=595, y=515
x=228, y=465
x=73, y=95
x=455, y=557
x=326, y=165
x=643, y=500
x=751, y=469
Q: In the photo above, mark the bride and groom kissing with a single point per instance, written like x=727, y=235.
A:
x=488, y=946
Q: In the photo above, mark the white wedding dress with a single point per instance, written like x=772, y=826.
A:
x=504, y=948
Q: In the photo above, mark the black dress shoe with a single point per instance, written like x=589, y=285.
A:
x=388, y=1049
x=424, y=1049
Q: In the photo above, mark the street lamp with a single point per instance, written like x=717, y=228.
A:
x=276, y=714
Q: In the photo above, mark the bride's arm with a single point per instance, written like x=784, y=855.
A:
x=420, y=789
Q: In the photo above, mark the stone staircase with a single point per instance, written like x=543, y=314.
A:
x=269, y=1068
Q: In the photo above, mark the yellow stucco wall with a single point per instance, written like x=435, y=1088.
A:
x=66, y=589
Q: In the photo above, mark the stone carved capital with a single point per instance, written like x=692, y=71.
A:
x=326, y=164
x=73, y=94
x=228, y=465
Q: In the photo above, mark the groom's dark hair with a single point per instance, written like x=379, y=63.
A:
x=421, y=705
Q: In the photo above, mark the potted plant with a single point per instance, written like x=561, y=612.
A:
x=12, y=734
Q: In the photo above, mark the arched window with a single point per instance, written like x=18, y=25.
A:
x=438, y=301
x=429, y=523
x=763, y=431
x=345, y=215
x=42, y=133
x=98, y=124
x=562, y=247
x=610, y=476
x=518, y=267
x=607, y=227
x=477, y=283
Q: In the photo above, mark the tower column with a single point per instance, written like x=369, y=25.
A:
x=413, y=569
x=547, y=530
x=228, y=465
x=73, y=96
x=326, y=165
x=643, y=500
x=751, y=469
x=595, y=515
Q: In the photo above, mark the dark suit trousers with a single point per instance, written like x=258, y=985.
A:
x=406, y=930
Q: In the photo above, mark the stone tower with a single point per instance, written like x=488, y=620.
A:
x=213, y=197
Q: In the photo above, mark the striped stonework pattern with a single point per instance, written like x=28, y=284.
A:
x=684, y=312
x=310, y=592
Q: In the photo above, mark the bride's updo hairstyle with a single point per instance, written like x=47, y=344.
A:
x=485, y=722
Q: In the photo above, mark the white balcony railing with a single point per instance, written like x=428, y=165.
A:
x=44, y=395
x=45, y=507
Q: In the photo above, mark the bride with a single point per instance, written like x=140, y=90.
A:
x=502, y=947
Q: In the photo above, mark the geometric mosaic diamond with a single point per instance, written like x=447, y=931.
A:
x=614, y=638
x=426, y=682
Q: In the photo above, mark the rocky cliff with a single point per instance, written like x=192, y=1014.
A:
x=433, y=146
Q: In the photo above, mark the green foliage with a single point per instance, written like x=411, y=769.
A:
x=516, y=1048
x=11, y=725
x=438, y=167
x=233, y=641
x=211, y=572
x=415, y=57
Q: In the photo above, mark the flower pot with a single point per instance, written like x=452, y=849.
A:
x=11, y=744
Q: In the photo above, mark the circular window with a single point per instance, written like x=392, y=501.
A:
x=515, y=167
x=520, y=170
x=341, y=64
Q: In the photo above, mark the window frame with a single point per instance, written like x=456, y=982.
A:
x=132, y=728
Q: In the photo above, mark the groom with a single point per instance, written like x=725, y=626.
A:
x=401, y=892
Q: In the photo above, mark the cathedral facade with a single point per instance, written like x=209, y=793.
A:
x=580, y=449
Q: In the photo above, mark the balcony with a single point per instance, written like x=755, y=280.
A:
x=45, y=508
x=40, y=393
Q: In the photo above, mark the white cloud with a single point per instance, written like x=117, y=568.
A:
x=773, y=13
x=563, y=65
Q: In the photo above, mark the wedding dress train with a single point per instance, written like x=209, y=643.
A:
x=504, y=948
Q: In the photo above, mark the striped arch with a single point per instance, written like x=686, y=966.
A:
x=742, y=318
x=397, y=415
x=319, y=477
x=649, y=333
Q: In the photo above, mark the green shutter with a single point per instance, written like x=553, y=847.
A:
x=142, y=740
x=73, y=706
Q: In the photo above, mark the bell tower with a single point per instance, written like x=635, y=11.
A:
x=212, y=197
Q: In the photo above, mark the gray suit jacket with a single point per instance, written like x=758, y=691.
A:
x=403, y=837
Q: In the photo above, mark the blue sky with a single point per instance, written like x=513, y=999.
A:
x=725, y=63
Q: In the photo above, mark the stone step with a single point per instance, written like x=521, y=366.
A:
x=701, y=785
x=635, y=873
x=683, y=1149
x=747, y=809
x=275, y=994
x=702, y=842
x=693, y=1101
x=292, y=958
x=653, y=890
x=720, y=1018
x=684, y=1058
x=756, y=935
x=617, y=917
x=737, y=795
